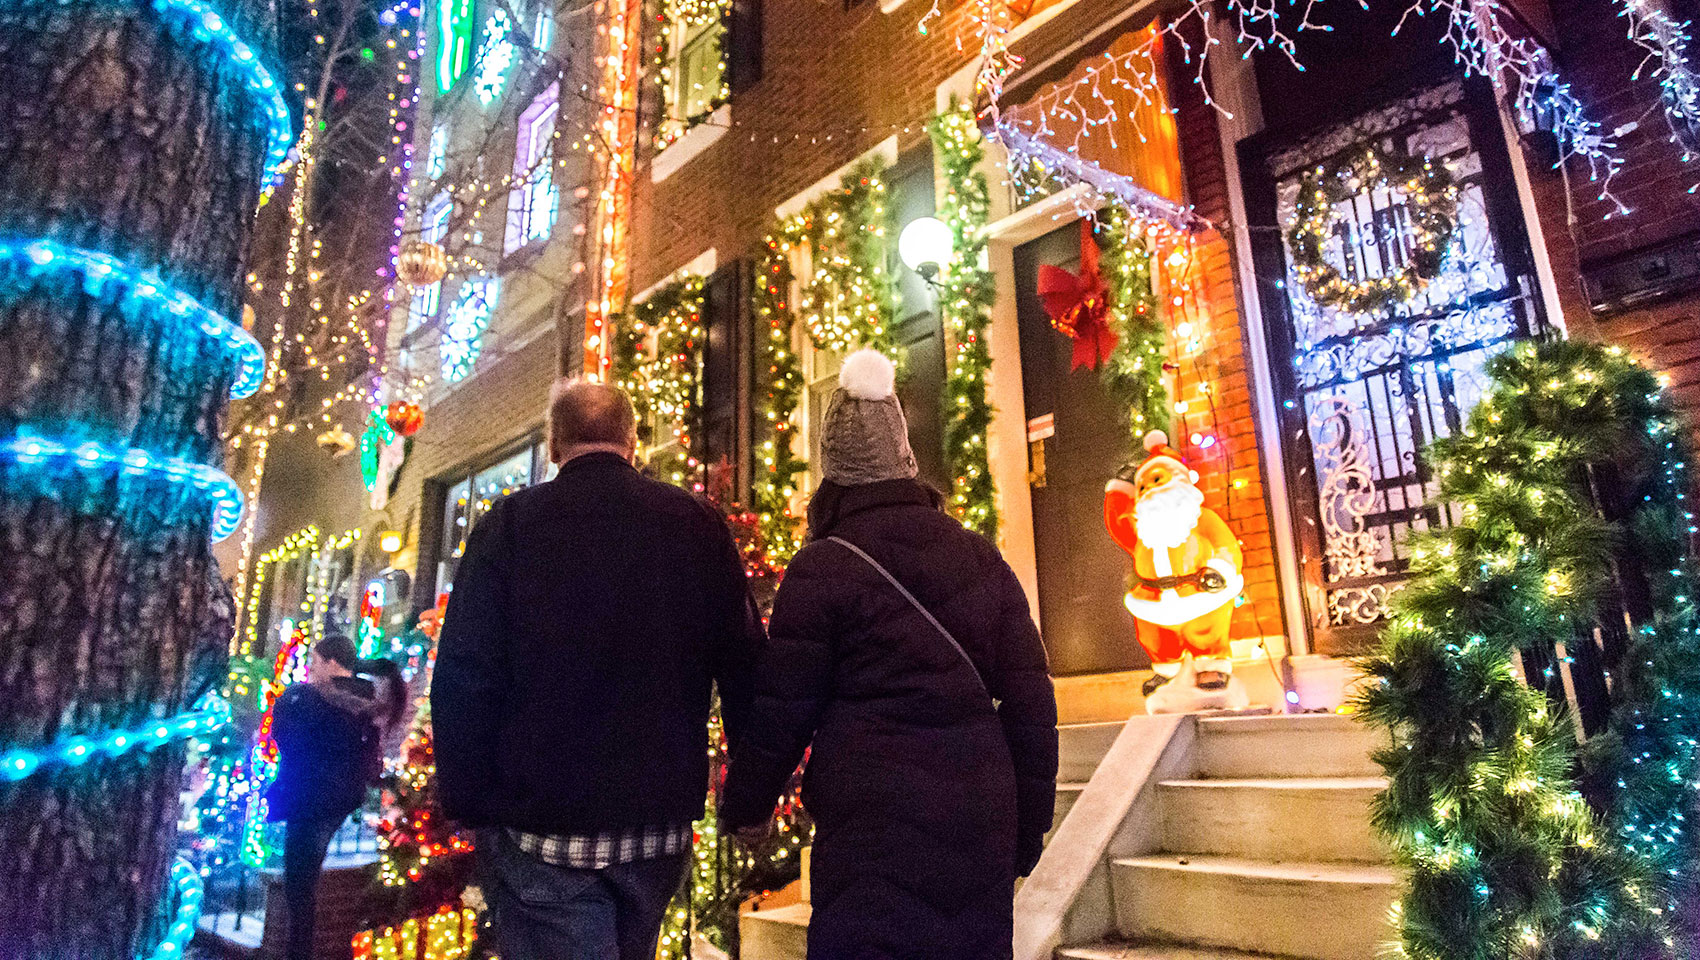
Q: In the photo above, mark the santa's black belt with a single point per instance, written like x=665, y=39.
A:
x=1207, y=579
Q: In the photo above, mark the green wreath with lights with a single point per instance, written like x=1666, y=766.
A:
x=1431, y=196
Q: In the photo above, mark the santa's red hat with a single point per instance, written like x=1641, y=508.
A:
x=1158, y=452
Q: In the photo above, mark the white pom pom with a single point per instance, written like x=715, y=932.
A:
x=1155, y=439
x=868, y=375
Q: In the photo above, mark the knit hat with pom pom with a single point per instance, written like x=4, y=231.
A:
x=864, y=438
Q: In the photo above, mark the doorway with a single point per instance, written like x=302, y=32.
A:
x=1078, y=439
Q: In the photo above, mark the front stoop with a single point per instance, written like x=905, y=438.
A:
x=1156, y=951
x=778, y=934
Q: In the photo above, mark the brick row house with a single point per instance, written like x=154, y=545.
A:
x=1306, y=421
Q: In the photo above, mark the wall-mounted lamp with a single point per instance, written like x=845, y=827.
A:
x=389, y=541
x=926, y=246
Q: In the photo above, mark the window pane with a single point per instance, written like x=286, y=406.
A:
x=699, y=72
x=494, y=483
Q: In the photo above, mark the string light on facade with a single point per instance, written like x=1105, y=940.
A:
x=1666, y=41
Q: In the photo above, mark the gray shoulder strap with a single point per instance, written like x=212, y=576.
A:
x=914, y=603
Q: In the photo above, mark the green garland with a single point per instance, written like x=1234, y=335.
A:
x=658, y=362
x=967, y=292
x=1431, y=201
x=1134, y=373
x=1505, y=858
x=847, y=302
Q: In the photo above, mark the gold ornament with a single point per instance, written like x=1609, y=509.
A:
x=337, y=440
x=422, y=263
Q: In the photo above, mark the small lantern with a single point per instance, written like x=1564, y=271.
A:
x=926, y=246
x=422, y=263
x=404, y=418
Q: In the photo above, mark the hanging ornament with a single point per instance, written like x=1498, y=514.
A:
x=404, y=418
x=337, y=440
x=422, y=263
x=1079, y=304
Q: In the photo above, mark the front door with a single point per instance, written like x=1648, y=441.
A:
x=1367, y=382
x=1080, y=438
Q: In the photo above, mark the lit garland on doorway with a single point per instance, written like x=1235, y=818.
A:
x=966, y=292
x=1505, y=857
x=1134, y=373
x=781, y=379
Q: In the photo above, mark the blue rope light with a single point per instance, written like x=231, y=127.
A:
x=207, y=26
x=147, y=289
x=211, y=713
x=187, y=880
x=30, y=449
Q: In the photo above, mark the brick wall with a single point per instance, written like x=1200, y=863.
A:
x=1599, y=60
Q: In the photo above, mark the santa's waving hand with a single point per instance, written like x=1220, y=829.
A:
x=1186, y=564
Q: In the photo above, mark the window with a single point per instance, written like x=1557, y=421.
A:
x=433, y=227
x=693, y=71
x=533, y=202
x=454, y=41
x=471, y=494
x=437, y=154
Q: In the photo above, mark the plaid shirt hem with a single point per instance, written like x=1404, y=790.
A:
x=598, y=851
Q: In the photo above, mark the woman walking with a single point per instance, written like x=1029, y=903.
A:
x=329, y=734
x=901, y=648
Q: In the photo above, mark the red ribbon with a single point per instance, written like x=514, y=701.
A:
x=1079, y=304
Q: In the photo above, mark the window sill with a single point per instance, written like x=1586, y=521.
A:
x=685, y=149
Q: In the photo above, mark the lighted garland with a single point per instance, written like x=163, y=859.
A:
x=658, y=362
x=142, y=290
x=967, y=291
x=1505, y=858
x=186, y=883
x=1134, y=373
x=1431, y=203
x=779, y=390
x=847, y=301
x=688, y=14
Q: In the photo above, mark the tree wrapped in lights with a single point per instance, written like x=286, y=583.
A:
x=966, y=294
x=1570, y=481
x=419, y=851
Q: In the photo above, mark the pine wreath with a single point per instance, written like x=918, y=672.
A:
x=1431, y=196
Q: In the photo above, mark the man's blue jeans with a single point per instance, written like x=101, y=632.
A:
x=543, y=912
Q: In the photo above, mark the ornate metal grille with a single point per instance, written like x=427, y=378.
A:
x=1369, y=390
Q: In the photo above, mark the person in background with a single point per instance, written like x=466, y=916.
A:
x=329, y=733
x=591, y=618
x=902, y=649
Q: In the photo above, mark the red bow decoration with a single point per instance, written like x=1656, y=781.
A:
x=1080, y=305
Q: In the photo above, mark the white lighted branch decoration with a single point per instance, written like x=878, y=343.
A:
x=1521, y=68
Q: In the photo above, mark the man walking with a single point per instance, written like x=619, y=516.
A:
x=590, y=617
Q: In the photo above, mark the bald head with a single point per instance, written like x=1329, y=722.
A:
x=589, y=417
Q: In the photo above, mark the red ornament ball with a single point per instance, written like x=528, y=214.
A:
x=404, y=418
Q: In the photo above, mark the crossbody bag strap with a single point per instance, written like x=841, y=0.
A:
x=916, y=604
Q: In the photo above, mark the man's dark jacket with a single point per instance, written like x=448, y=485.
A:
x=589, y=618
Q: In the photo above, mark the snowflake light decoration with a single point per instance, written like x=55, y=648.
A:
x=464, y=326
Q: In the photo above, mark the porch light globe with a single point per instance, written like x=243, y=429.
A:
x=925, y=245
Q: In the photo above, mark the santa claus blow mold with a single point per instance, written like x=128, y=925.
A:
x=1186, y=576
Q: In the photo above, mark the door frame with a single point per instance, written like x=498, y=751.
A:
x=1266, y=259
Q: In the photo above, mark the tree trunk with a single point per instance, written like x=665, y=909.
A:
x=124, y=134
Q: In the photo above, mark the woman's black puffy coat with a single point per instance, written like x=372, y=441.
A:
x=928, y=799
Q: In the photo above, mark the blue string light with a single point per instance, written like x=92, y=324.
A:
x=211, y=713
x=226, y=498
x=207, y=26
x=145, y=289
x=187, y=880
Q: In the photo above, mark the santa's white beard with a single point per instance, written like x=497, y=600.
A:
x=1165, y=516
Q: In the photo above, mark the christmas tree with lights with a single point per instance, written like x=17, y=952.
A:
x=420, y=853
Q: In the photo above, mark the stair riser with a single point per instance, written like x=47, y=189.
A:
x=1081, y=747
x=779, y=935
x=1313, y=921
x=1329, y=752
x=1262, y=823
x=1066, y=800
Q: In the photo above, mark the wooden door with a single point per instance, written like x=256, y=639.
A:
x=1082, y=572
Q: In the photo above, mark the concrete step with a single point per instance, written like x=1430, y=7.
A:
x=1081, y=747
x=1154, y=951
x=1313, y=911
x=1301, y=745
x=778, y=934
x=1306, y=819
x=1068, y=794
